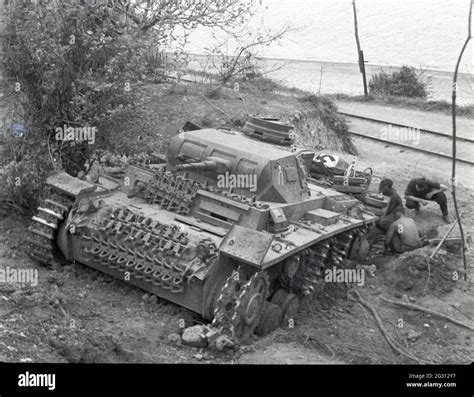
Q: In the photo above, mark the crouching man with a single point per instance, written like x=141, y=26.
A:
x=394, y=204
x=402, y=235
x=420, y=191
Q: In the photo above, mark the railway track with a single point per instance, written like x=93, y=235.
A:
x=435, y=143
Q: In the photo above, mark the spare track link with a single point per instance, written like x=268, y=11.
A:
x=45, y=224
x=171, y=191
x=144, y=249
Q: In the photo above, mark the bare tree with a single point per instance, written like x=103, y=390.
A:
x=359, y=51
x=454, y=148
x=165, y=15
x=242, y=62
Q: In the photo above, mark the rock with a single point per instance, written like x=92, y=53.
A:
x=153, y=299
x=411, y=299
x=421, y=265
x=198, y=356
x=193, y=336
x=413, y=335
x=223, y=342
x=447, y=288
x=405, y=298
x=413, y=270
x=9, y=288
x=67, y=268
x=37, y=297
x=55, y=280
x=174, y=338
x=145, y=296
x=397, y=295
x=16, y=294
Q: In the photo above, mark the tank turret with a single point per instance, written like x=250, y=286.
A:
x=231, y=160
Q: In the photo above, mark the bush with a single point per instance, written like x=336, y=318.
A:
x=66, y=65
x=406, y=82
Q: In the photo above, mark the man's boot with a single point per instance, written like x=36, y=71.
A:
x=447, y=218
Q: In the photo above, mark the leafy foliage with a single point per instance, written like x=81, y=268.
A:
x=406, y=82
x=77, y=63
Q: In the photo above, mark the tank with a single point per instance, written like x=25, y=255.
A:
x=230, y=227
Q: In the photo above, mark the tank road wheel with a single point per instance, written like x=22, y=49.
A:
x=270, y=319
x=288, y=303
x=51, y=212
x=250, y=305
x=360, y=246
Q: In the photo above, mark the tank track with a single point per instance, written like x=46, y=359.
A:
x=315, y=259
x=228, y=313
x=50, y=213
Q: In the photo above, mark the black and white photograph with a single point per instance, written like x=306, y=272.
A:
x=275, y=190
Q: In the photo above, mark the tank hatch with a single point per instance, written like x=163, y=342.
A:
x=271, y=130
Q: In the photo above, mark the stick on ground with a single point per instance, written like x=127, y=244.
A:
x=393, y=344
x=429, y=311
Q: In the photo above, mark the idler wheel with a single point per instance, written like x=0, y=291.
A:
x=270, y=319
x=288, y=303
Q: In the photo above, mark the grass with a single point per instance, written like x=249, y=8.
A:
x=266, y=85
x=443, y=107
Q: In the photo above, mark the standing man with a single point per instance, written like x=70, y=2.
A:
x=402, y=235
x=420, y=191
x=394, y=204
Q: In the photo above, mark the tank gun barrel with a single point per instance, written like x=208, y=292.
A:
x=204, y=166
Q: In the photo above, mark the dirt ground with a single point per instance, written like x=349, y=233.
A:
x=75, y=314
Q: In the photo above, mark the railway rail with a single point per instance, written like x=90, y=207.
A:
x=435, y=137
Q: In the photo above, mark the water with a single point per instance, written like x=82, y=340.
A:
x=421, y=33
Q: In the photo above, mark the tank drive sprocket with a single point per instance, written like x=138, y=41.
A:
x=240, y=304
